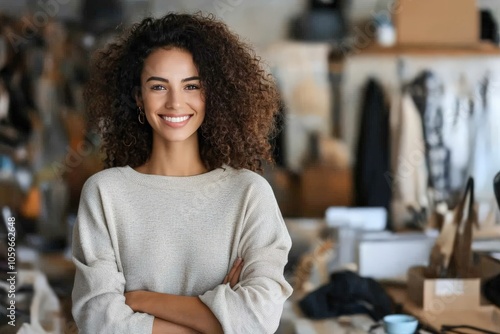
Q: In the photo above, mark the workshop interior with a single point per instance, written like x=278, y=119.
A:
x=386, y=166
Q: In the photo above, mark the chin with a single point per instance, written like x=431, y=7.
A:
x=178, y=138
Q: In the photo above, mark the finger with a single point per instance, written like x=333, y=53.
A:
x=234, y=268
x=231, y=272
x=236, y=277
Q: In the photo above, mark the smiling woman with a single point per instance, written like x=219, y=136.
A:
x=179, y=234
x=241, y=99
x=172, y=98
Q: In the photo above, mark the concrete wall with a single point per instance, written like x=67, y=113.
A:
x=261, y=22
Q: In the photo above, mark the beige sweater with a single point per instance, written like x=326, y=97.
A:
x=179, y=235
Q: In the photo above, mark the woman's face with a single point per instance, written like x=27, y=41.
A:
x=171, y=95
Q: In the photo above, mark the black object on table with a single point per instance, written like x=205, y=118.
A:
x=347, y=293
x=496, y=187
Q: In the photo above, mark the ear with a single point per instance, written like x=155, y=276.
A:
x=138, y=96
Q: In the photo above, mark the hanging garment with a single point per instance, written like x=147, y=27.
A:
x=15, y=124
x=409, y=171
x=481, y=146
x=486, y=153
x=372, y=186
x=457, y=132
x=427, y=92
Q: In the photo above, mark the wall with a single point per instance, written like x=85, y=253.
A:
x=61, y=9
x=261, y=22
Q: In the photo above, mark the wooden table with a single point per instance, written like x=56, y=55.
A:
x=486, y=317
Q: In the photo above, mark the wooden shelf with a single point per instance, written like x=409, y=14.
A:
x=481, y=49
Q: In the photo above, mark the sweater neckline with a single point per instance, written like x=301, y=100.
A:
x=186, y=182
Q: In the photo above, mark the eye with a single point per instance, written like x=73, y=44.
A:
x=158, y=87
x=192, y=87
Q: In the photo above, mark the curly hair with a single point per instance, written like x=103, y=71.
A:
x=242, y=100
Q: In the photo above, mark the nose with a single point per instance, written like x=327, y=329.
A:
x=173, y=99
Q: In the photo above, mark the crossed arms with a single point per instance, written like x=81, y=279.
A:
x=101, y=303
x=180, y=314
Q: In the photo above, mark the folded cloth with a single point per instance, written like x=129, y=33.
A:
x=347, y=293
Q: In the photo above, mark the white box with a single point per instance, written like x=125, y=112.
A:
x=390, y=255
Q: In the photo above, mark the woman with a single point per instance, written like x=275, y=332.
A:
x=180, y=235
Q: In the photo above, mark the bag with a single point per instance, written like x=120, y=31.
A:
x=451, y=256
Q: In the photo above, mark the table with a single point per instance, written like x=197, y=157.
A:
x=487, y=316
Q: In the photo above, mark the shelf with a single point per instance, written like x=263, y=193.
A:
x=482, y=49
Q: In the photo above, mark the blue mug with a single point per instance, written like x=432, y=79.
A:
x=400, y=324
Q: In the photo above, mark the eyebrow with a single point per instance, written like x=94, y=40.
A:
x=166, y=80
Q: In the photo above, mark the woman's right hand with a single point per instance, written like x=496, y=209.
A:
x=234, y=274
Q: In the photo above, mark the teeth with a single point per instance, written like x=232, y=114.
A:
x=175, y=119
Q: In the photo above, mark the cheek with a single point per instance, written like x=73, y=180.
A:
x=197, y=103
x=153, y=100
x=201, y=107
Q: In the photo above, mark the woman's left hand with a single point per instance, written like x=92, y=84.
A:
x=134, y=299
x=234, y=274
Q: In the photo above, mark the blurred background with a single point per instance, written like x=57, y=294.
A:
x=389, y=107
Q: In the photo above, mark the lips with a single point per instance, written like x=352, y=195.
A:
x=176, y=121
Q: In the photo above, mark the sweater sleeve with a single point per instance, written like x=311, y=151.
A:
x=255, y=304
x=98, y=292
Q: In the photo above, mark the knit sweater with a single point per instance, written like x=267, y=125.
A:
x=179, y=235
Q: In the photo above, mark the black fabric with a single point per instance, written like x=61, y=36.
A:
x=347, y=293
x=16, y=127
x=372, y=187
x=489, y=26
x=496, y=187
x=491, y=290
x=332, y=4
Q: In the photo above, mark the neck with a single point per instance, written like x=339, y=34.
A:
x=174, y=159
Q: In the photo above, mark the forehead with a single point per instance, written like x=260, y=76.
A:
x=169, y=63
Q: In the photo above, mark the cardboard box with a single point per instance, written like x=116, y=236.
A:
x=437, y=295
x=437, y=23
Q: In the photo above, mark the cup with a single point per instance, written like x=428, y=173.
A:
x=400, y=324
